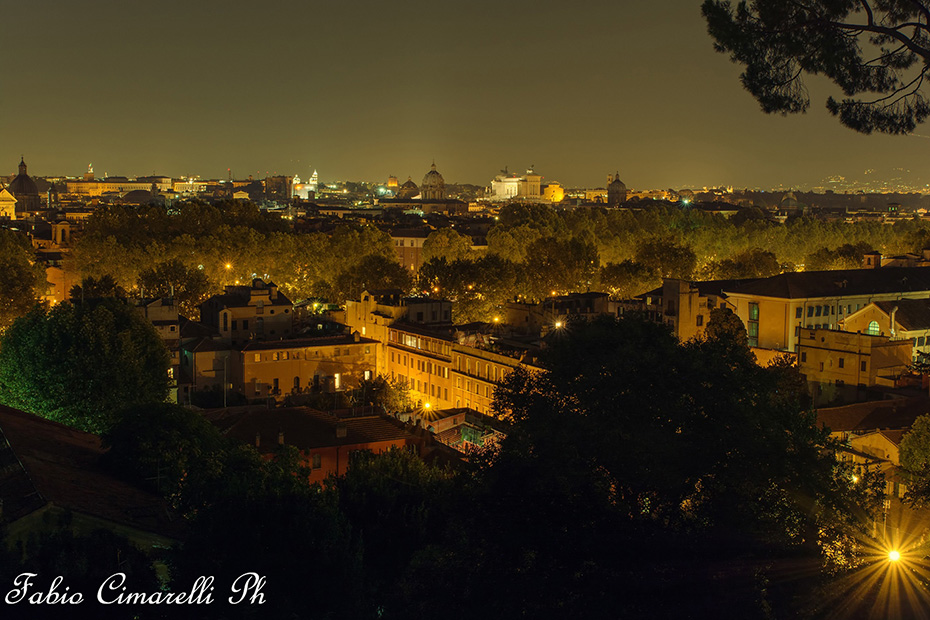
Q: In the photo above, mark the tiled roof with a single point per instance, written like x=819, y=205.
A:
x=912, y=314
x=843, y=282
x=299, y=343
x=304, y=428
x=48, y=462
x=894, y=414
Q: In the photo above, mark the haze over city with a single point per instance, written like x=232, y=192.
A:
x=362, y=90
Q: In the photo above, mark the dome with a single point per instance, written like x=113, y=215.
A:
x=408, y=190
x=138, y=197
x=433, y=186
x=617, y=183
x=23, y=185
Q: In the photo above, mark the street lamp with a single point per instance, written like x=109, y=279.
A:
x=894, y=555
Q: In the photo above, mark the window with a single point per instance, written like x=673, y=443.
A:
x=225, y=322
x=803, y=356
x=337, y=380
x=818, y=310
x=245, y=323
x=798, y=312
x=700, y=320
x=873, y=329
x=810, y=311
x=753, y=312
x=258, y=357
x=234, y=325
x=821, y=366
x=920, y=341
x=862, y=367
x=753, y=333
x=275, y=385
x=842, y=362
x=317, y=461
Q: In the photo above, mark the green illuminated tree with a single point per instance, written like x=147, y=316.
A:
x=914, y=452
x=19, y=278
x=80, y=363
x=876, y=51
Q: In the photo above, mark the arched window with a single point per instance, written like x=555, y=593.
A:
x=873, y=329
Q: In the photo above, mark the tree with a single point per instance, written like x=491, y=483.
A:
x=96, y=288
x=700, y=467
x=19, y=278
x=383, y=393
x=446, y=243
x=914, y=451
x=158, y=444
x=188, y=286
x=876, y=51
x=628, y=278
x=80, y=363
x=667, y=257
x=373, y=272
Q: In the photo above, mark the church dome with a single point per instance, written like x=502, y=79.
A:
x=408, y=190
x=138, y=197
x=617, y=183
x=433, y=186
x=23, y=185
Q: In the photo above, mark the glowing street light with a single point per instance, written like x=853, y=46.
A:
x=894, y=555
x=426, y=405
x=558, y=324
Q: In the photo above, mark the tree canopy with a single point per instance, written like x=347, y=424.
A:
x=80, y=363
x=876, y=51
x=19, y=278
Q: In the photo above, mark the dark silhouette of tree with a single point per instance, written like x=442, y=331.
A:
x=876, y=51
x=189, y=286
x=373, y=272
x=96, y=288
x=643, y=477
x=80, y=363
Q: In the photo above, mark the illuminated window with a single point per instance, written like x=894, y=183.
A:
x=873, y=329
x=258, y=357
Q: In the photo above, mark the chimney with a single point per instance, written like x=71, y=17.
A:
x=280, y=438
x=258, y=439
x=341, y=430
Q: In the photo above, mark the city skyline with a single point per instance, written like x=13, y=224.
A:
x=360, y=93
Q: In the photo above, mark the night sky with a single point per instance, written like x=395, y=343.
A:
x=360, y=90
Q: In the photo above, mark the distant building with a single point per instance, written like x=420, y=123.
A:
x=408, y=191
x=243, y=313
x=25, y=191
x=433, y=186
x=118, y=185
x=7, y=205
x=616, y=191
x=511, y=186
